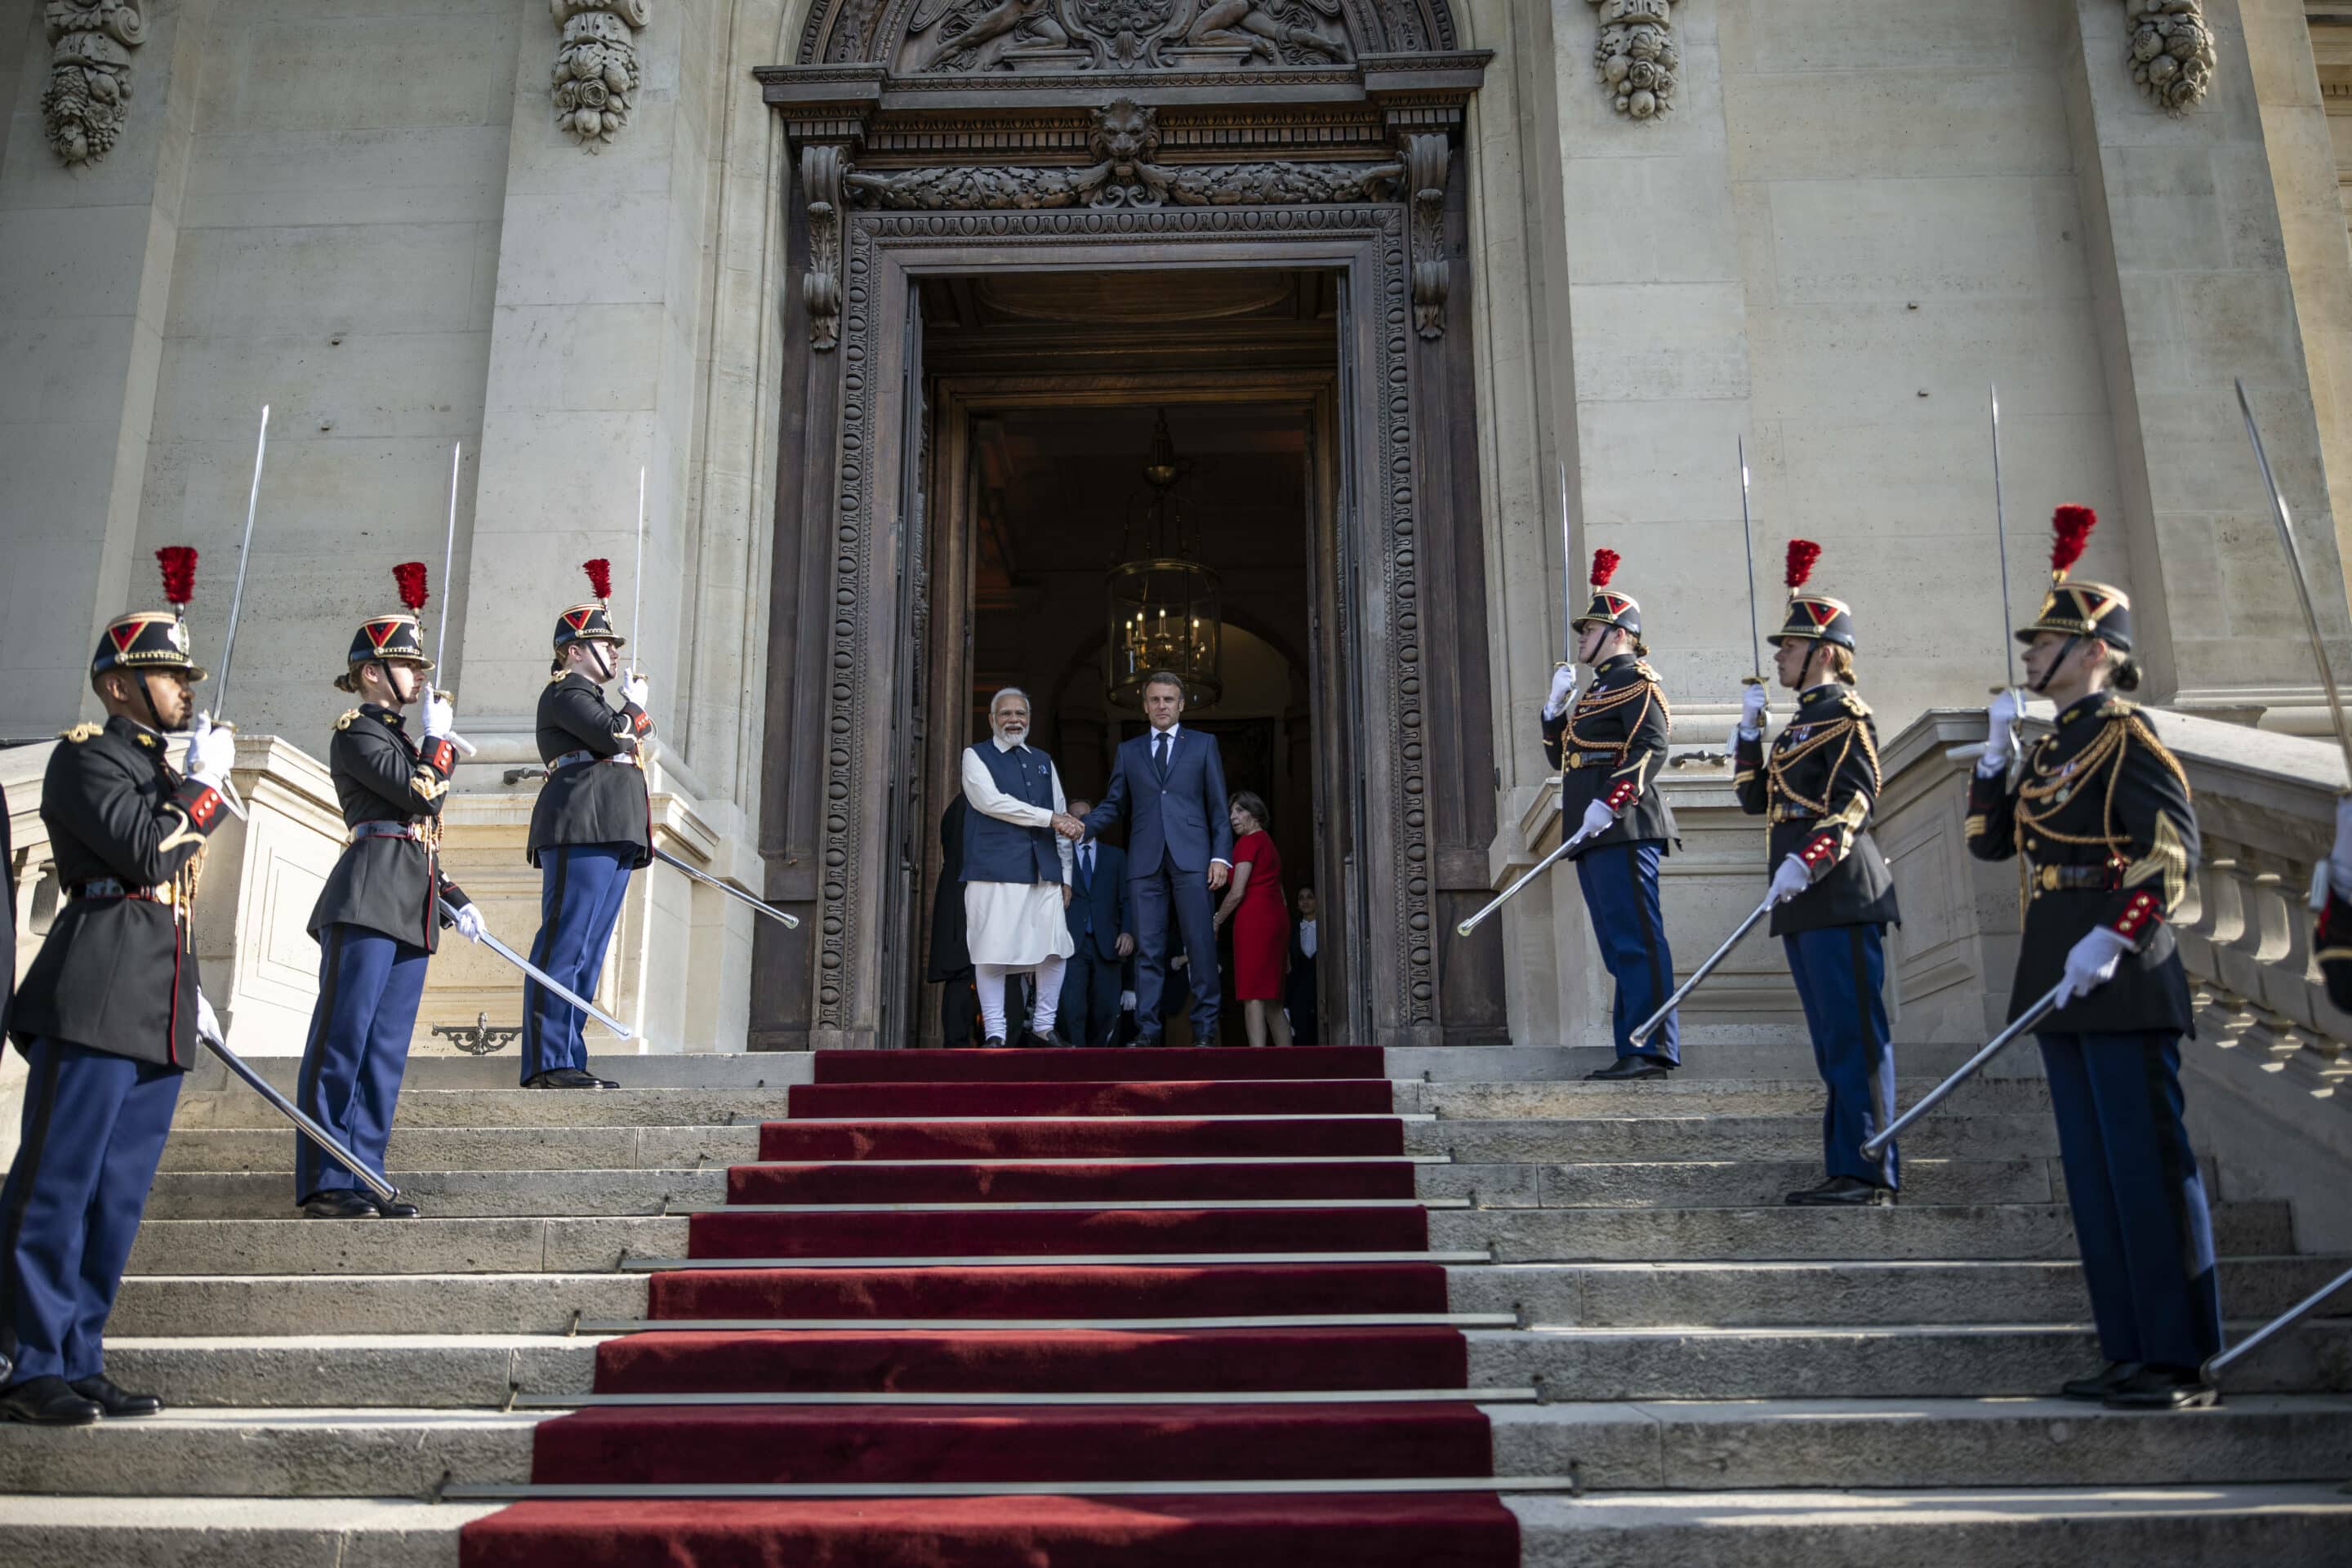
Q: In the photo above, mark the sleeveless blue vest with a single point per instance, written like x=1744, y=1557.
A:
x=997, y=851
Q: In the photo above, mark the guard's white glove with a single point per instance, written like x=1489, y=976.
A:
x=469, y=921
x=2000, y=722
x=207, y=1021
x=1598, y=818
x=1751, y=712
x=212, y=753
x=440, y=717
x=2091, y=962
x=2339, y=862
x=1127, y=1000
x=636, y=690
x=1792, y=878
x=1563, y=692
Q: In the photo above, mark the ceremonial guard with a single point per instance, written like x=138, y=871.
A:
x=1609, y=744
x=592, y=827
x=378, y=919
x=2100, y=819
x=1833, y=895
x=2333, y=939
x=109, y=1013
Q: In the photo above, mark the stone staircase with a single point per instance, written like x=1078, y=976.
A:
x=1723, y=1379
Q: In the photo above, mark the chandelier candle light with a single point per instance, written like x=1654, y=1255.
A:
x=1161, y=602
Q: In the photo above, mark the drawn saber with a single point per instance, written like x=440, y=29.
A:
x=2001, y=538
x=1534, y=871
x=1567, y=577
x=1650, y=1024
x=370, y=1179
x=2026, y=1020
x=2286, y=1319
x=2302, y=580
x=535, y=972
x=738, y=894
x=637, y=589
x=448, y=558
x=236, y=604
x=1747, y=537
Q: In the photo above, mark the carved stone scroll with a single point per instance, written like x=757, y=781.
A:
x=1426, y=159
x=2172, y=54
x=1637, y=55
x=89, y=74
x=979, y=37
x=823, y=167
x=596, y=77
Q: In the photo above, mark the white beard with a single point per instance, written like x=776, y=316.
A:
x=1011, y=736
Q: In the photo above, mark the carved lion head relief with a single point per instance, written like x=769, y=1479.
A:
x=1125, y=134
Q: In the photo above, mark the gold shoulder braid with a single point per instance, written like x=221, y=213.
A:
x=1777, y=765
x=345, y=721
x=80, y=732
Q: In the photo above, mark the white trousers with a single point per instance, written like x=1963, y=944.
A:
x=989, y=979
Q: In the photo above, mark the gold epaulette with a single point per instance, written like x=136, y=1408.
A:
x=1642, y=668
x=1851, y=701
x=345, y=721
x=79, y=732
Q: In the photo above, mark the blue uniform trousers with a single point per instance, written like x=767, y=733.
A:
x=1621, y=894
x=1150, y=898
x=1090, y=988
x=1841, y=975
x=369, y=985
x=2139, y=1206
x=94, y=1126
x=580, y=892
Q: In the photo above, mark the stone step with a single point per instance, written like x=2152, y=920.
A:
x=1728, y=1183
x=283, y=1304
x=1793, y=1295
x=1679, y=1096
x=1918, y=1230
x=291, y=1245
x=482, y=1148
x=330, y=1371
x=523, y=1107
x=1660, y=1445
x=2278, y=1526
x=1890, y=1362
x=77, y=1532
x=1619, y=1139
x=480, y=1195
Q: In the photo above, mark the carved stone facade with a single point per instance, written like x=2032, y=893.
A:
x=2172, y=54
x=1637, y=56
x=964, y=38
x=822, y=168
x=89, y=74
x=596, y=75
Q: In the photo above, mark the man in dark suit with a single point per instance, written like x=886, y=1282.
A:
x=950, y=964
x=1169, y=786
x=1098, y=926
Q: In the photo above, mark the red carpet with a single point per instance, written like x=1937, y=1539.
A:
x=961, y=1117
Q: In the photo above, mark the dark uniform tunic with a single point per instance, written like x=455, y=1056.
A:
x=377, y=920
x=2334, y=940
x=1817, y=788
x=391, y=789
x=2101, y=822
x=107, y=1019
x=595, y=792
x=1610, y=747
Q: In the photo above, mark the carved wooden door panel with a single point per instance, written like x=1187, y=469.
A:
x=1337, y=885
x=910, y=809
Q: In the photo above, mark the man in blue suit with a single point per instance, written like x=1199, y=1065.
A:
x=1169, y=783
x=1099, y=927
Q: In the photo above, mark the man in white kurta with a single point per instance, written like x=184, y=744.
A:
x=1016, y=924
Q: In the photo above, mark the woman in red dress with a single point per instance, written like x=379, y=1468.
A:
x=1261, y=923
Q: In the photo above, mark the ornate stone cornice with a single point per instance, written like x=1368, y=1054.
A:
x=89, y=74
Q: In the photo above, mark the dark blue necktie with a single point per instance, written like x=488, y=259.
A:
x=1159, y=754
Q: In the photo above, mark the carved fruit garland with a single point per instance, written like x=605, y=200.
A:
x=89, y=74
x=596, y=77
x=2172, y=54
x=1637, y=55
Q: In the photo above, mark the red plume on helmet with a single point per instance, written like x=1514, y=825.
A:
x=179, y=564
x=1802, y=553
x=410, y=576
x=2070, y=528
x=600, y=576
x=1604, y=567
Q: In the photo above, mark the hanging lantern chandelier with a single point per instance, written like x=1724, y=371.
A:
x=1161, y=601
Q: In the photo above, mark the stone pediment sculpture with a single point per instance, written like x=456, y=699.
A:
x=89, y=74
x=1023, y=38
x=1124, y=144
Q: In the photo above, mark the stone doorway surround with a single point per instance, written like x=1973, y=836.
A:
x=1206, y=153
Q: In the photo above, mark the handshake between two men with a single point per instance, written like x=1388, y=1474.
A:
x=1071, y=829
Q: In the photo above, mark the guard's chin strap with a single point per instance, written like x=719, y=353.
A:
x=147, y=700
x=604, y=670
x=2043, y=685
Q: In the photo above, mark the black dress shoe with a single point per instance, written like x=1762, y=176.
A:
x=118, y=1405
x=2106, y=1382
x=47, y=1401
x=2163, y=1388
x=569, y=1077
x=1048, y=1039
x=1844, y=1191
x=1625, y=1069
x=995, y=1043
x=395, y=1208
x=344, y=1204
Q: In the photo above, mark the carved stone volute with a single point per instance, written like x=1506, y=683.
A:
x=823, y=165
x=89, y=74
x=1425, y=158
